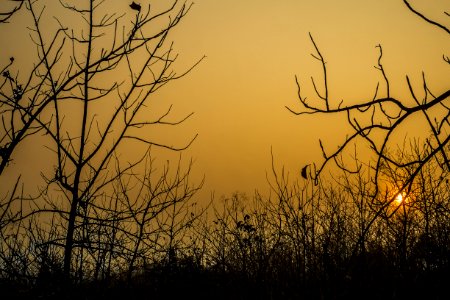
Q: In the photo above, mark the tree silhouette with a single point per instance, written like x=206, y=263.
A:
x=114, y=221
x=89, y=91
x=8, y=13
x=376, y=122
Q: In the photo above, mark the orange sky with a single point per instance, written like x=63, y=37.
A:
x=254, y=49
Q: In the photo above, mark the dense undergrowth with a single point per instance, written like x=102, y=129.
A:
x=304, y=241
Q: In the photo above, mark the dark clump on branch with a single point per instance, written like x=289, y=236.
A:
x=135, y=6
x=304, y=172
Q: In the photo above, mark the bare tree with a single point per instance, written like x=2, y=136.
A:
x=90, y=92
x=377, y=122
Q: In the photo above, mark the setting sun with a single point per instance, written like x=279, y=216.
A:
x=399, y=199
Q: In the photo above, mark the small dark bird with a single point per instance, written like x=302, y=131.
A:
x=135, y=6
x=304, y=174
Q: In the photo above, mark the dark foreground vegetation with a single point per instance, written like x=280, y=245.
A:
x=303, y=241
x=104, y=224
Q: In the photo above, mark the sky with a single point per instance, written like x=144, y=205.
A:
x=254, y=50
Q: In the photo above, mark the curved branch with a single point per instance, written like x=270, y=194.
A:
x=425, y=18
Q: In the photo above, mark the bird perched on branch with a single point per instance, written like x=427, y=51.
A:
x=135, y=6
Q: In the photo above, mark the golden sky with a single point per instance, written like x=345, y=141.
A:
x=254, y=49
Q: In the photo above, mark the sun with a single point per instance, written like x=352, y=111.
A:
x=399, y=199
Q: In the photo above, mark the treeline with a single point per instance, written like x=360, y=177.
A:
x=329, y=239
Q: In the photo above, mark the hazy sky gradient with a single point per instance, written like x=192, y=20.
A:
x=254, y=49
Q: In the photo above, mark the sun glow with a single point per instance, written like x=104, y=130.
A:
x=399, y=199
